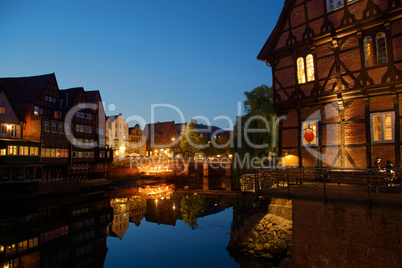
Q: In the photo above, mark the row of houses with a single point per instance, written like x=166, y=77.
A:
x=49, y=133
x=160, y=139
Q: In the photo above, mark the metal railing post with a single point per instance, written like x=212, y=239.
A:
x=325, y=189
x=287, y=176
x=256, y=184
x=368, y=188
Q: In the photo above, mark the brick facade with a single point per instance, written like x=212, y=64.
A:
x=346, y=91
x=336, y=235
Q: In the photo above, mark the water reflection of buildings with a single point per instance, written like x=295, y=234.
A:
x=163, y=211
x=62, y=232
x=120, y=217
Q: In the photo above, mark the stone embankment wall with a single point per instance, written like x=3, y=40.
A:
x=267, y=236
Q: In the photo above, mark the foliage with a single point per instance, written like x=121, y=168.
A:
x=191, y=208
x=255, y=133
x=191, y=141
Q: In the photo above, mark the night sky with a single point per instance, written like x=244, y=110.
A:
x=197, y=56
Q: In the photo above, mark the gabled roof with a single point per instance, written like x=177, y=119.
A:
x=265, y=52
x=72, y=94
x=205, y=130
x=14, y=119
x=25, y=89
x=161, y=129
x=92, y=95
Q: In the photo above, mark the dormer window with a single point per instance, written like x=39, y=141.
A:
x=305, y=69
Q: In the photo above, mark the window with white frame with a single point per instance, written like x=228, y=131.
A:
x=375, y=52
x=305, y=69
x=309, y=132
x=382, y=127
x=335, y=4
x=381, y=43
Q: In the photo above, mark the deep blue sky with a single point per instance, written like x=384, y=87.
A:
x=197, y=55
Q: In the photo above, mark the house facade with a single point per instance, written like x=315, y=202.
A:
x=58, y=123
x=19, y=159
x=337, y=73
x=118, y=135
x=137, y=142
x=162, y=139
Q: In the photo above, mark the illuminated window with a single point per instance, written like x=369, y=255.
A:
x=12, y=150
x=310, y=67
x=24, y=150
x=368, y=51
x=2, y=110
x=53, y=153
x=301, y=77
x=305, y=69
x=34, y=151
x=377, y=49
x=3, y=152
x=381, y=48
x=36, y=110
x=309, y=133
x=383, y=127
x=3, y=129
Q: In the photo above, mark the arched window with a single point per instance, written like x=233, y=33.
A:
x=381, y=48
x=368, y=51
x=301, y=74
x=310, y=67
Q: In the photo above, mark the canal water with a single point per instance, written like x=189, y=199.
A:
x=145, y=226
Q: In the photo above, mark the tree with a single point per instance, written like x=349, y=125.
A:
x=255, y=132
x=191, y=141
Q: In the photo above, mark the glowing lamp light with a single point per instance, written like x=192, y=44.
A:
x=309, y=135
x=8, y=127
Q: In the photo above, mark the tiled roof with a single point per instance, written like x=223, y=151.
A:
x=25, y=89
x=158, y=128
x=73, y=94
x=92, y=95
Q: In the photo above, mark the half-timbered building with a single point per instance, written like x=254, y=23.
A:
x=337, y=73
x=66, y=147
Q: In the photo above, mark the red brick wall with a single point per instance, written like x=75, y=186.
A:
x=355, y=110
x=330, y=134
x=328, y=156
x=355, y=133
x=309, y=160
x=291, y=119
x=289, y=137
x=386, y=152
x=359, y=156
x=381, y=103
x=335, y=235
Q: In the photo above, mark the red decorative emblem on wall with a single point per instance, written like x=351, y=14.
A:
x=309, y=135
